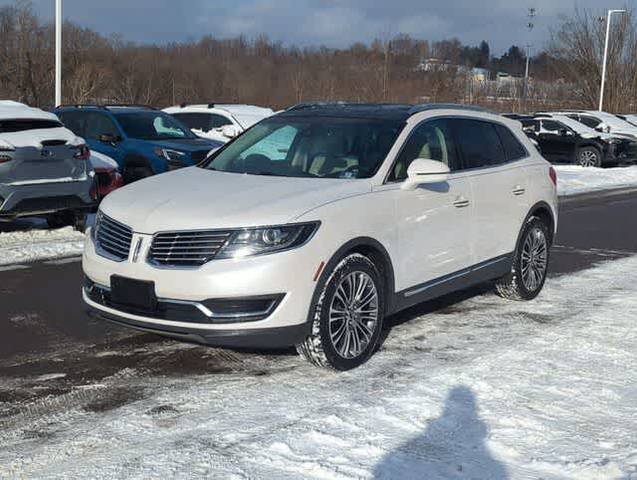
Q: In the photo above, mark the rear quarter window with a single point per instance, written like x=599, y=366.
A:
x=513, y=149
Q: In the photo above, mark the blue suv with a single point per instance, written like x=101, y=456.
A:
x=144, y=141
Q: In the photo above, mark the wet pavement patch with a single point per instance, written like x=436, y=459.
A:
x=114, y=398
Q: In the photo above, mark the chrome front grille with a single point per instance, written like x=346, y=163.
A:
x=187, y=249
x=113, y=238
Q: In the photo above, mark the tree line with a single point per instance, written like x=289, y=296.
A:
x=101, y=69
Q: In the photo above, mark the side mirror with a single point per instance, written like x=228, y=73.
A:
x=230, y=131
x=109, y=138
x=564, y=132
x=424, y=171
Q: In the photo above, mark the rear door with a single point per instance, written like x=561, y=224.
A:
x=42, y=153
x=492, y=159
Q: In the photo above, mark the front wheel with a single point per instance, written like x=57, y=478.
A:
x=530, y=263
x=348, y=317
x=133, y=173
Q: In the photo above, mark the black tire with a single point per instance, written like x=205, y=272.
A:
x=589, y=157
x=516, y=285
x=136, y=170
x=319, y=348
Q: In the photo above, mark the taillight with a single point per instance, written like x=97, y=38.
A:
x=553, y=175
x=82, y=153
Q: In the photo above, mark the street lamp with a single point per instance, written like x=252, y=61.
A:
x=58, y=52
x=530, y=26
x=601, y=91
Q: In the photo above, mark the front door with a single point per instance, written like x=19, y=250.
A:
x=435, y=220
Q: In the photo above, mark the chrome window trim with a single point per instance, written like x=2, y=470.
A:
x=386, y=180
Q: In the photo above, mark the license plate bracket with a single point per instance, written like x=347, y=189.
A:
x=138, y=294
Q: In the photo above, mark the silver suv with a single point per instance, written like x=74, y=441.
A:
x=44, y=167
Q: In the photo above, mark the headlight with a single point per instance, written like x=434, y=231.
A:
x=96, y=224
x=169, y=154
x=264, y=240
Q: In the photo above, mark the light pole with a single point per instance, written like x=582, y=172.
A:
x=530, y=26
x=58, y=52
x=601, y=90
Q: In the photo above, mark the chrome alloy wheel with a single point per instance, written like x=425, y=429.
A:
x=588, y=158
x=353, y=314
x=534, y=260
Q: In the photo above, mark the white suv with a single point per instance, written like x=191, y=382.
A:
x=220, y=122
x=319, y=222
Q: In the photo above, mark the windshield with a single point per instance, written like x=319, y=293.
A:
x=152, y=126
x=319, y=147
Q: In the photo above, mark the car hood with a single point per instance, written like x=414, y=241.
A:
x=194, y=198
x=188, y=144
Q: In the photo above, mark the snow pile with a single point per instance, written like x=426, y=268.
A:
x=481, y=388
x=572, y=179
x=36, y=244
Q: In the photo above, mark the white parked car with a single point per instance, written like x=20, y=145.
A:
x=221, y=122
x=604, y=122
x=315, y=225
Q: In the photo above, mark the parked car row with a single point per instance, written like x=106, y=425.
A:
x=588, y=139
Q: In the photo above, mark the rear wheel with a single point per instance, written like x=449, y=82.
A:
x=348, y=317
x=589, y=157
x=530, y=263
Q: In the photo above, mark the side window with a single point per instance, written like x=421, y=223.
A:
x=513, y=149
x=97, y=124
x=479, y=143
x=431, y=140
x=591, y=122
x=194, y=121
x=552, y=126
x=218, y=121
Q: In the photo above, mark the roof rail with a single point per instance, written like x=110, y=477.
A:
x=306, y=105
x=105, y=106
x=130, y=105
x=425, y=107
x=80, y=105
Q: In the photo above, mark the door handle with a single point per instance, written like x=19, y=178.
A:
x=461, y=202
x=518, y=190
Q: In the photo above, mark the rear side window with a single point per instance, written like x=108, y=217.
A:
x=202, y=121
x=591, y=122
x=20, y=125
x=479, y=143
x=552, y=126
x=74, y=121
x=513, y=149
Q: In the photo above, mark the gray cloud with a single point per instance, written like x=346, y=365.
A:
x=321, y=22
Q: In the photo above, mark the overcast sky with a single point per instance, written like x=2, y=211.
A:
x=334, y=23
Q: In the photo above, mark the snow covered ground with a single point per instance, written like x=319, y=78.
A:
x=34, y=242
x=483, y=388
x=572, y=180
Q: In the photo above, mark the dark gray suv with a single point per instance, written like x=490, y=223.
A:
x=44, y=168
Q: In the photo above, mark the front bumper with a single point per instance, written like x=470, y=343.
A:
x=286, y=276
x=279, y=337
